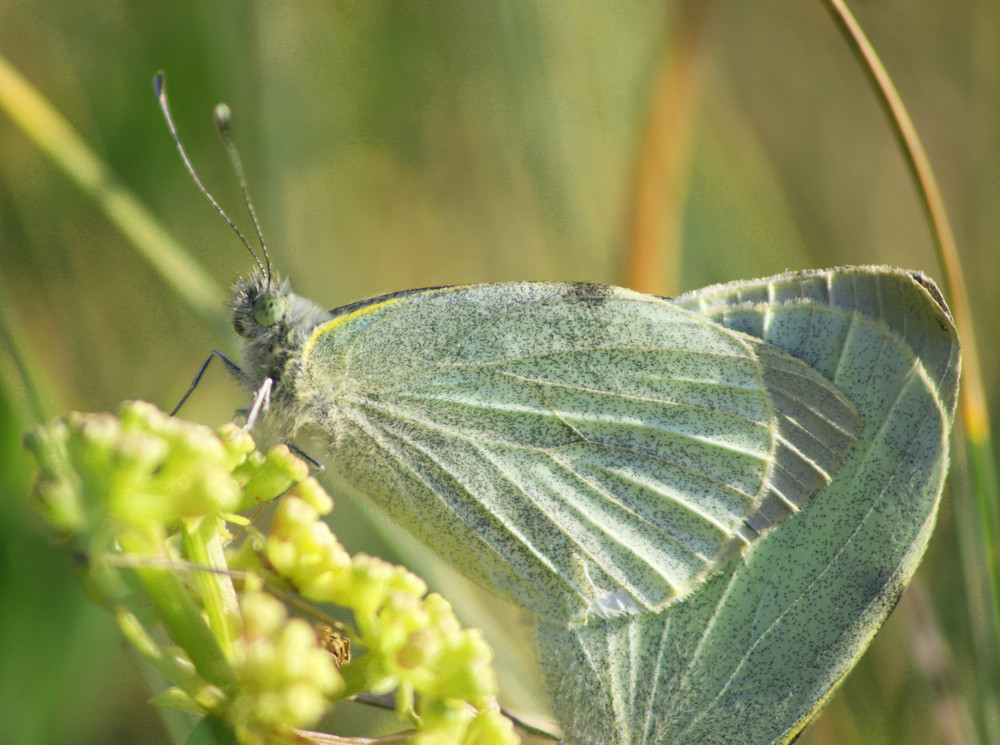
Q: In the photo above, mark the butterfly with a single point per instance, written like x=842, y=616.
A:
x=708, y=504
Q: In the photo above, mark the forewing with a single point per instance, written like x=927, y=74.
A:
x=580, y=449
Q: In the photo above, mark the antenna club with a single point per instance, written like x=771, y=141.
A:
x=159, y=83
x=223, y=118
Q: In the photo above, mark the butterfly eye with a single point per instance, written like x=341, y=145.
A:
x=269, y=308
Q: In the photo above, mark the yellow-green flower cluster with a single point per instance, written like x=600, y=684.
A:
x=449, y=721
x=145, y=468
x=149, y=497
x=141, y=468
x=441, y=672
x=287, y=678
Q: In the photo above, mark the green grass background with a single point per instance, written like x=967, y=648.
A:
x=391, y=145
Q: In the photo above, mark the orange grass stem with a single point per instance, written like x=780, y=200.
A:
x=654, y=231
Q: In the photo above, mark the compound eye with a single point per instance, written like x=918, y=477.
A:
x=269, y=308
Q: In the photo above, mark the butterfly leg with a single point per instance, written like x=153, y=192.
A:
x=306, y=457
x=233, y=368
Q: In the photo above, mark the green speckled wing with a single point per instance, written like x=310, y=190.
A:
x=582, y=450
x=752, y=653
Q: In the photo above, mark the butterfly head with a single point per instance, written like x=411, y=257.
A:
x=274, y=324
x=260, y=305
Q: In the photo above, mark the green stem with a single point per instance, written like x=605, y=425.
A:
x=38, y=119
x=179, y=674
x=204, y=545
x=182, y=617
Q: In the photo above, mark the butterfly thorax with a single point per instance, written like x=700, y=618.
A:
x=275, y=325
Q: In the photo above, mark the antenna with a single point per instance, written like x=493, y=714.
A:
x=223, y=117
x=160, y=86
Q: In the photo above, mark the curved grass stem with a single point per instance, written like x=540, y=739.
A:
x=55, y=136
x=972, y=398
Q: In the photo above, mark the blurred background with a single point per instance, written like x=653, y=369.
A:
x=664, y=145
